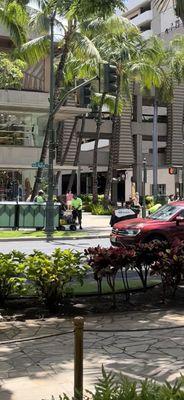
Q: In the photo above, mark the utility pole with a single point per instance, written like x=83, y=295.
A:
x=155, y=148
x=50, y=204
x=144, y=188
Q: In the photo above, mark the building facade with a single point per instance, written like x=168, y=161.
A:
x=23, y=119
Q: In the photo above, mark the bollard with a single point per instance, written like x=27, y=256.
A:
x=78, y=357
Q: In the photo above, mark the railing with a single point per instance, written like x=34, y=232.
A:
x=33, y=83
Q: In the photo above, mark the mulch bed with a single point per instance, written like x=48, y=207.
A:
x=151, y=300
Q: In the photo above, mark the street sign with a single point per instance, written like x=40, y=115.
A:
x=38, y=164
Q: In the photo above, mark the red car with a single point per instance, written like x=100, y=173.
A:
x=167, y=223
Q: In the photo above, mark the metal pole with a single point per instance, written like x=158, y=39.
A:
x=155, y=148
x=78, y=357
x=50, y=204
x=183, y=153
x=144, y=189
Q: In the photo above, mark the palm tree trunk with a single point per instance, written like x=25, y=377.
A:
x=58, y=81
x=112, y=144
x=95, y=152
x=76, y=160
x=42, y=159
x=155, y=147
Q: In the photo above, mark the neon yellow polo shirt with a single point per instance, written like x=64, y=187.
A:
x=77, y=203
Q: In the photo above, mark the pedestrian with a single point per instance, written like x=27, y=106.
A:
x=40, y=198
x=76, y=204
x=69, y=198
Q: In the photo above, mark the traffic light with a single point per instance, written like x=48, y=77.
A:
x=85, y=95
x=172, y=170
x=110, y=79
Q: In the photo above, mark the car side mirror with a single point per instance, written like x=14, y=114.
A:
x=179, y=220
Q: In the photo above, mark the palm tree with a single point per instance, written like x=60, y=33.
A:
x=74, y=40
x=120, y=43
x=178, y=6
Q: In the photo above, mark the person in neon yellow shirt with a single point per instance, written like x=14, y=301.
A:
x=77, y=209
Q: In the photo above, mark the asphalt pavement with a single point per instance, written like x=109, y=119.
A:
x=49, y=247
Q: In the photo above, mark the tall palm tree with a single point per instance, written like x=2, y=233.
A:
x=178, y=6
x=73, y=40
x=121, y=45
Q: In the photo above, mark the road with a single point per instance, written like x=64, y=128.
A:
x=28, y=246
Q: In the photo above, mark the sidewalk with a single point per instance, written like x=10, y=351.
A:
x=35, y=370
x=94, y=226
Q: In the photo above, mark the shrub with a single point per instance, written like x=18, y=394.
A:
x=113, y=386
x=11, y=274
x=149, y=201
x=146, y=254
x=51, y=274
x=170, y=266
x=99, y=209
x=106, y=263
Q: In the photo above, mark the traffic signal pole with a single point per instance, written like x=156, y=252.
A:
x=50, y=204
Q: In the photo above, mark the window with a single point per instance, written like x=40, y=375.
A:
x=22, y=129
x=161, y=189
x=165, y=213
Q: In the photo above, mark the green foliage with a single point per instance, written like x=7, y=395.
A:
x=11, y=277
x=50, y=274
x=11, y=72
x=113, y=386
x=100, y=8
x=149, y=201
x=100, y=209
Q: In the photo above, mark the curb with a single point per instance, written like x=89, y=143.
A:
x=25, y=239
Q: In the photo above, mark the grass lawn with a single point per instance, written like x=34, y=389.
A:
x=38, y=234
x=91, y=287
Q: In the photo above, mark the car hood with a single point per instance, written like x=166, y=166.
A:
x=135, y=223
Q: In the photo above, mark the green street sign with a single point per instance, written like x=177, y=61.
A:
x=38, y=164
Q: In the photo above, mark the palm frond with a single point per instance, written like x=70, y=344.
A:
x=35, y=50
x=86, y=46
x=16, y=30
x=161, y=4
x=109, y=102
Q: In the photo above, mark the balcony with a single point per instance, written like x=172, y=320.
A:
x=143, y=18
x=147, y=34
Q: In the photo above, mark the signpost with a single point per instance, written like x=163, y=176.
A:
x=38, y=164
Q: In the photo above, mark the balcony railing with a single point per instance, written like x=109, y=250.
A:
x=33, y=83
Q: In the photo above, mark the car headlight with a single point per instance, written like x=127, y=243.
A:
x=129, y=232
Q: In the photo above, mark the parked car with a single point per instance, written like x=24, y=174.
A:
x=165, y=224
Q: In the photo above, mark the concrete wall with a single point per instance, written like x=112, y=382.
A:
x=163, y=178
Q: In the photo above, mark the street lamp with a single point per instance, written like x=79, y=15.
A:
x=50, y=204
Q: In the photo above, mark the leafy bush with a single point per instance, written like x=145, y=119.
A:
x=99, y=209
x=146, y=254
x=51, y=274
x=149, y=201
x=11, y=274
x=170, y=266
x=106, y=263
x=114, y=386
x=154, y=257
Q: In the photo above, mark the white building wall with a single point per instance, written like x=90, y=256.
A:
x=163, y=178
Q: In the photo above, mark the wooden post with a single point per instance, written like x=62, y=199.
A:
x=78, y=357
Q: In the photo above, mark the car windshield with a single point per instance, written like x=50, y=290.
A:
x=165, y=213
